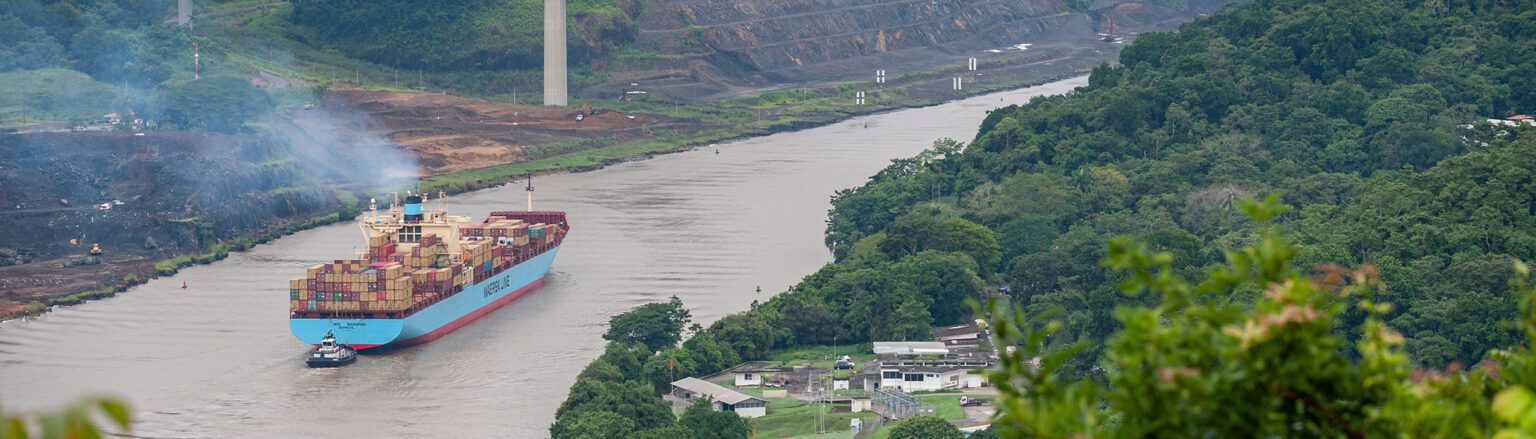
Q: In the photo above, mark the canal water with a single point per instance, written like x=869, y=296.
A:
x=217, y=360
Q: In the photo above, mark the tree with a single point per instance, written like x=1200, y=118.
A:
x=669, y=432
x=656, y=325
x=24, y=47
x=918, y=231
x=219, y=103
x=627, y=359
x=987, y=433
x=631, y=400
x=598, y=425
x=80, y=420
x=926, y=427
x=879, y=306
x=751, y=334
x=809, y=320
x=1026, y=234
x=974, y=240
x=709, y=354
x=704, y=422
x=947, y=281
x=1219, y=368
x=911, y=321
x=120, y=55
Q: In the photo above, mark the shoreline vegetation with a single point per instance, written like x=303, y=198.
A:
x=1238, y=217
x=574, y=162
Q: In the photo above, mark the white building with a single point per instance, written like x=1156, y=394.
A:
x=1515, y=121
x=749, y=378
x=954, y=363
x=839, y=383
x=746, y=406
x=909, y=348
x=861, y=404
x=930, y=378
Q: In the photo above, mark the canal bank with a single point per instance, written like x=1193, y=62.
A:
x=159, y=232
x=216, y=359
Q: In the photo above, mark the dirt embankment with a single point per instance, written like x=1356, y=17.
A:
x=450, y=134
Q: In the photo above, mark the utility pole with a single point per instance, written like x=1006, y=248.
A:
x=184, y=13
x=555, y=75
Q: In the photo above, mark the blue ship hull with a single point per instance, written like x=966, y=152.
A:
x=436, y=320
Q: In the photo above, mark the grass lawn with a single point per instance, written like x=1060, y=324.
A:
x=883, y=433
x=800, y=420
x=821, y=356
x=832, y=435
x=945, y=406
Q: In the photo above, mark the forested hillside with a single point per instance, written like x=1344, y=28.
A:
x=459, y=35
x=1356, y=113
x=1399, y=251
x=1344, y=108
x=78, y=60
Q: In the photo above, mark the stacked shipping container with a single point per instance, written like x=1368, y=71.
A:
x=351, y=286
x=389, y=280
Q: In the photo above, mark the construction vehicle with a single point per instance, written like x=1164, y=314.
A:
x=95, y=249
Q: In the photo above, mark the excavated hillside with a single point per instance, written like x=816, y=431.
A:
x=775, y=37
x=141, y=198
x=697, y=50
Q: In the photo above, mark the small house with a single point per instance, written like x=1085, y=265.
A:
x=749, y=378
x=861, y=404
x=687, y=390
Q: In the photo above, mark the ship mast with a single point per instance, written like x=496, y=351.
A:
x=530, y=191
x=364, y=219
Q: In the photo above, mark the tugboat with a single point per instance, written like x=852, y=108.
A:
x=331, y=354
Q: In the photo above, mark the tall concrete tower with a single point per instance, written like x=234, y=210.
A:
x=554, y=53
x=183, y=12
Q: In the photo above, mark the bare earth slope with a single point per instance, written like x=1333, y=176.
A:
x=695, y=50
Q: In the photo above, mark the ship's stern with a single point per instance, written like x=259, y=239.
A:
x=357, y=333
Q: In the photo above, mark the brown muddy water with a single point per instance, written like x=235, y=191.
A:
x=217, y=359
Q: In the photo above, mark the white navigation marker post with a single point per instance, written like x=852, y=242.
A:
x=861, y=98
x=972, y=65
x=880, y=78
x=530, y=191
x=959, y=83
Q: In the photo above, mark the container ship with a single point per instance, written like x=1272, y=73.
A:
x=425, y=274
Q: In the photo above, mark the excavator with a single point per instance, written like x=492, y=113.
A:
x=95, y=248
